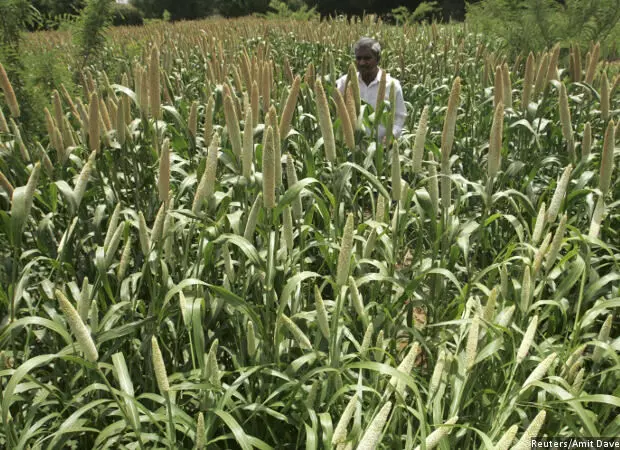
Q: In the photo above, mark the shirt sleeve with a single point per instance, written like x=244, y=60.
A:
x=340, y=83
x=400, y=113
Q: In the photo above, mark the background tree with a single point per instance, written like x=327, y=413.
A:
x=89, y=32
x=52, y=13
x=424, y=11
x=55, y=7
x=188, y=9
x=125, y=14
x=236, y=8
x=348, y=7
x=453, y=9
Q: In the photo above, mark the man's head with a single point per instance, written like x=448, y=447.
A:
x=367, y=57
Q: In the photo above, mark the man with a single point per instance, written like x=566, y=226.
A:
x=367, y=56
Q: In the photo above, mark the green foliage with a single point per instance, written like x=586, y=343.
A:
x=89, y=32
x=54, y=14
x=15, y=17
x=526, y=25
x=594, y=20
x=453, y=9
x=424, y=11
x=126, y=15
x=296, y=10
x=62, y=22
x=237, y=8
x=401, y=15
x=173, y=9
x=46, y=71
x=56, y=7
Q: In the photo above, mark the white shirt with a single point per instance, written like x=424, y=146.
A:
x=369, y=93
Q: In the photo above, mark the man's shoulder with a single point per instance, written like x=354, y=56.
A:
x=340, y=82
x=390, y=79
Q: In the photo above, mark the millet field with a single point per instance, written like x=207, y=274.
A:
x=206, y=246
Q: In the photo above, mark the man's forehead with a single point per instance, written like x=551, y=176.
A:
x=364, y=51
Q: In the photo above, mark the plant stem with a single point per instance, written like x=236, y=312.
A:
x=120, y=406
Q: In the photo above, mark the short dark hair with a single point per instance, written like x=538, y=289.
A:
x=369, y=43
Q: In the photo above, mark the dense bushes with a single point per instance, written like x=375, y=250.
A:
x=291, y=10
x=15, y=17
x=126, y=15
x=237, y=8
x=424, y=11
x=178, y=10
x=526, y=25
x=89, y=31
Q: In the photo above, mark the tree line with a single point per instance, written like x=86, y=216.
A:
x=55, y=10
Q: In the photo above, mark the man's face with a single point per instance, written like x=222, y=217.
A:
x=366, y=61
